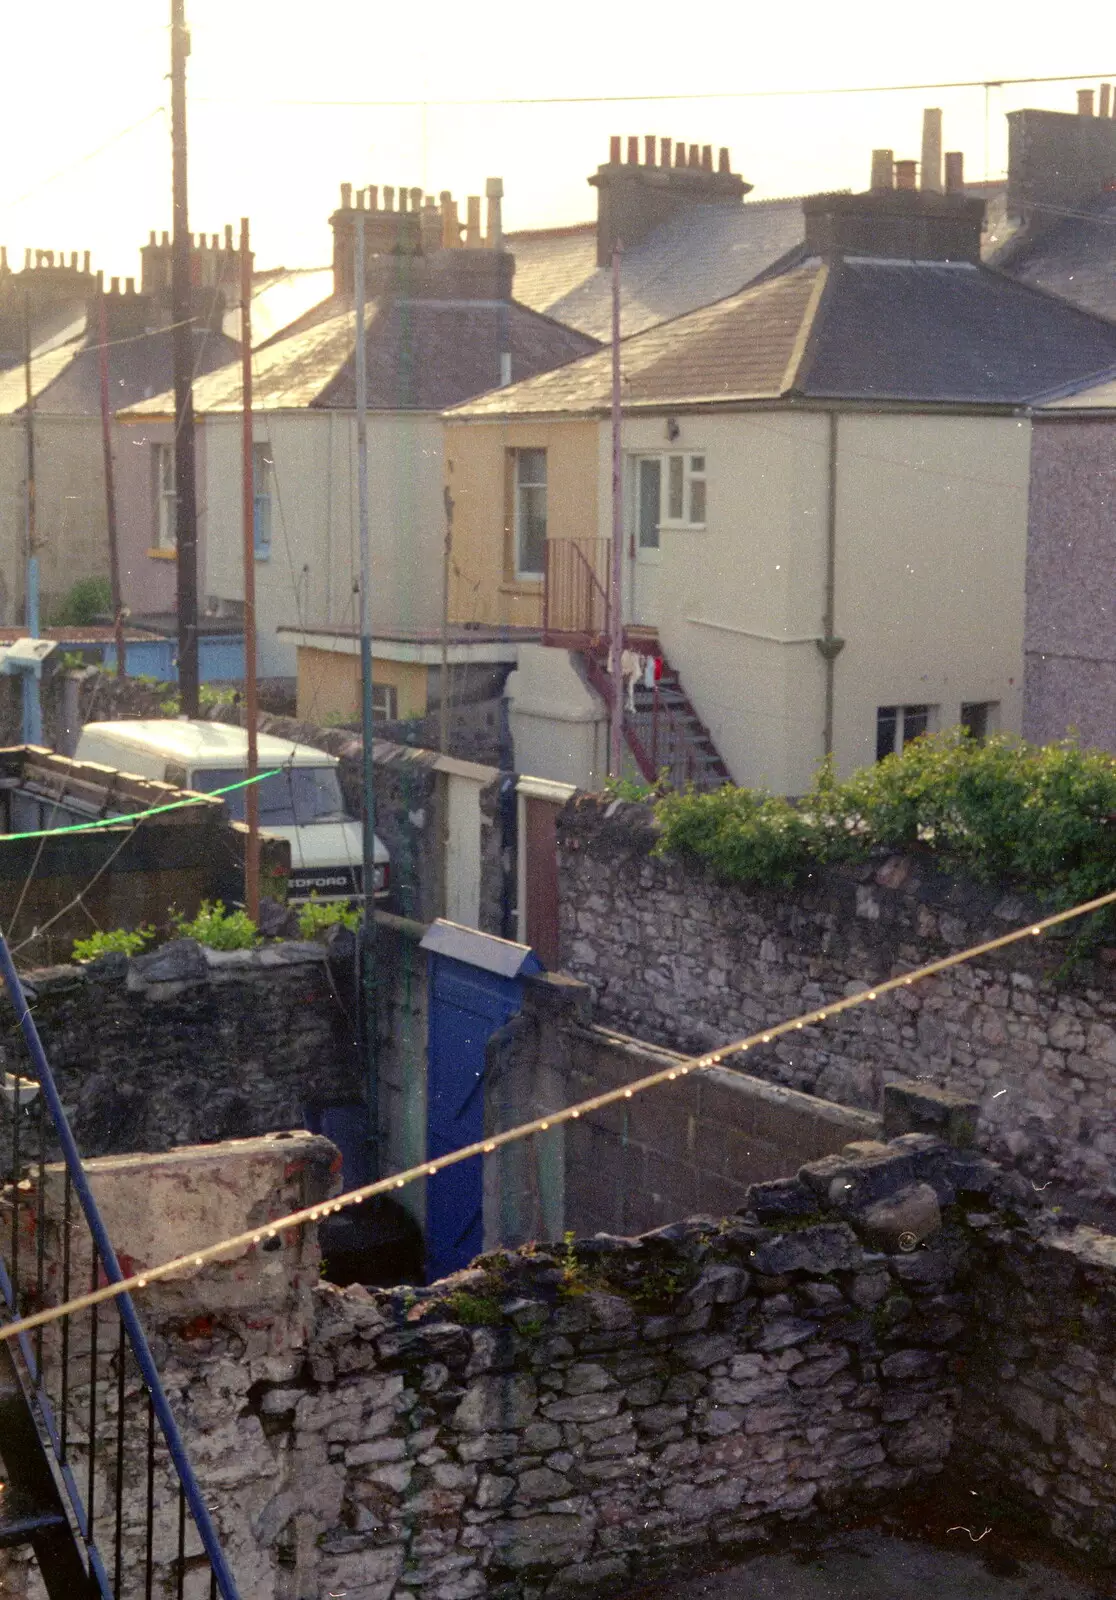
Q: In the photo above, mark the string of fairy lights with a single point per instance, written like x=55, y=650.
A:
x=685, y=1067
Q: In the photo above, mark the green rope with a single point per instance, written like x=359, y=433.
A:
x=138, y=816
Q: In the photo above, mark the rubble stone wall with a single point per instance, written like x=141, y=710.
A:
x=675, y=957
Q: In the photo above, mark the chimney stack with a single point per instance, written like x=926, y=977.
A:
x=1084, y=102
x=954, y=171
x=932, y=149
x=494, y=221
x=473, y=223
x=883, y=169
x=451, y=228
x=906, y=174
x=1105, y=100
x=636, y=197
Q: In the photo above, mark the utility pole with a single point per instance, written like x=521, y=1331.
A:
x=252, y=793
x=616, y=618
x=186, y=508
x=368, y=810
x=32, y=704
x=443, y=692
x=110, y=487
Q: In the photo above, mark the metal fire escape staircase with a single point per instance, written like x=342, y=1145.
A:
x=96, y=1478
x=664, y=733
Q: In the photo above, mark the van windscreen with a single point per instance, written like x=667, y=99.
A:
x=295, y=797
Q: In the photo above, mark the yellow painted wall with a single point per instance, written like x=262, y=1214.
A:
x=482, y=582
x=329, y=685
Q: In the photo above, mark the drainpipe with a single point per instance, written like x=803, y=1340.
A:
x=829, y=645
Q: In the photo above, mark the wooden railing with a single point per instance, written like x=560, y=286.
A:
x=575, y=590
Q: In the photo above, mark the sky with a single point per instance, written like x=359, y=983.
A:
x=88, y=146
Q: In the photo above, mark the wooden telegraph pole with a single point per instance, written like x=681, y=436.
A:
x=252, y=793
x=186, y=517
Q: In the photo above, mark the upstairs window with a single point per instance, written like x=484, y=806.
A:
x=165, y=498
x=670, y=492
x=529, y=468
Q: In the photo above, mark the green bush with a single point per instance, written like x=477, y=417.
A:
x=317, y=917
x=122, y=941
x=1039, y=816
x=89, y=599
x=218, y=928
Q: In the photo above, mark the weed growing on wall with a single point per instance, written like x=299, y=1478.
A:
x=1042, y=816
x=112, y=941
x=218, y=928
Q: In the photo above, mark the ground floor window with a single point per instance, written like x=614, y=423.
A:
x=980, y=718
x=896, y=726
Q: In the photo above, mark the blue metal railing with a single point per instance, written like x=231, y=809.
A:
x=54, y=1421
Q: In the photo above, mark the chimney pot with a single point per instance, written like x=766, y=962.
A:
x=723, y=162
x=666, y=150
x=1084, y=102
x=216, y=241
x=389, y=197
x=1105, y=100
x=73, y=260
x=614, y=150
x=883, y=169
x=373, y=197
x=26, y=260
x=695, y=156
x=346, y=196
x=416, y=199
x=166, y=240
x=931, y=174
x=494, y=222
x=114, y=285
x=228, y=236
x=360, y=200
x=129, y=286
x=85, y=262
x=650, y=145
x=906, y=173
x=473, y=223
x=151, y=240
x=402, y=201
x=954, y=171
x=680, y=155
x=707, y=157
x=633, y=150
x=3, y=258
x=451, y=230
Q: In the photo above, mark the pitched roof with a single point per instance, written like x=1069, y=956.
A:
x=702, y=254
x=422, y=355
x=856, y=329
x=1069, y=255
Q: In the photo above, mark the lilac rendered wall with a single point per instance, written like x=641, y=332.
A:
x=148, y=582
x=1070, y=635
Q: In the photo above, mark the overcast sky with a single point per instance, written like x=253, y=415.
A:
x=79, y=74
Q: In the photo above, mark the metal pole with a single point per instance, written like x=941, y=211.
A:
x=368, y=959
x=32, y=705
x=110, y=486
x=252, y=793
x=443, y=691
x=616, y=619
x=186, y=513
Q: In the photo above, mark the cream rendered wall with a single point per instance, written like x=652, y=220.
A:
x=931, y=551
x=741, y=600
x=69, y=504
x=315, y=556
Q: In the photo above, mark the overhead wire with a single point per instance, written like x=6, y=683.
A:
x=255, y=1236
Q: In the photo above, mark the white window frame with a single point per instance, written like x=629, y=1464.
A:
x=692, y=470
x=522, y=573
x=900, y=741
x=385, y=702
x=165, y=496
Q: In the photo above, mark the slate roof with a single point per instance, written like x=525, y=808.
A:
x=422, y=355
x=855, y=330
x=704, y=253
x=1071, y=256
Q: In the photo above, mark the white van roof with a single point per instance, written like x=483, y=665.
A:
x=208, y=744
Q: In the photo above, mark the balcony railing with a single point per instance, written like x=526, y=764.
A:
x=575, y=591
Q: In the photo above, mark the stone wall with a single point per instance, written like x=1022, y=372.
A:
x=187, y=1045
x=692, y=1146
x=675, y=957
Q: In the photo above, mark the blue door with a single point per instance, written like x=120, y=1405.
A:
x=468, y=1003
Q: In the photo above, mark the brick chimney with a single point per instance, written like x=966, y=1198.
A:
x=126, y=311
x=414, y=245
x=634, y=196
x=1057, y=160
x=895, y=224
x=214, y=275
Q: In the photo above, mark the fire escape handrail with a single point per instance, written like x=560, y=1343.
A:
x=222, y=1576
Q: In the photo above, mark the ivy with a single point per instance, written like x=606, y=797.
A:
x=1039, y=816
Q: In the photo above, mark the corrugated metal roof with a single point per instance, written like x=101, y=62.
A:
x=701, y=255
